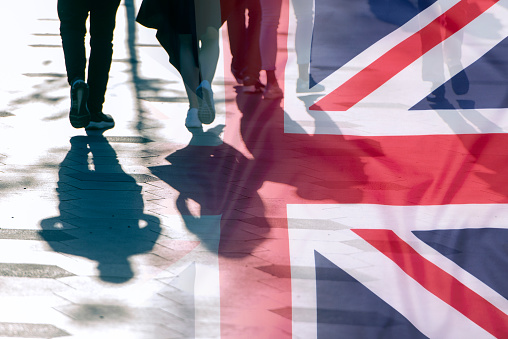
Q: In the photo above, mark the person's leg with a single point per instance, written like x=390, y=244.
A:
x=102, y=25
x=452, y=49
x=189, y=71
x=433, y=62
x=197, y=52
x=269, y=24
x=188, y=68
x=208, y=53
x=253, y=54
x=244, y=43
x=182, y=52
x=73, y=15
x=270, y=15
x=237, y=34
x=304, y=13
x=207, y=22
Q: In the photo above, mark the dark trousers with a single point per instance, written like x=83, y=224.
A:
x=73, y=15
x=244, y=40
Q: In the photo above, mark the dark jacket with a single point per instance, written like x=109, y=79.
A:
x=152, y=13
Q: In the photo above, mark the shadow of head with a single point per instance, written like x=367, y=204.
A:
x=101, y=210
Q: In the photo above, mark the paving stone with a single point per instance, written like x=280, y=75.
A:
x=127, y=139
x=17, y=330
x=50, y=235
x=32, y=271
x=103, y=316
x=29, y=287
x=263, y=222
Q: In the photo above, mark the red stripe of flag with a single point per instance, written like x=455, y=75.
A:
x=255, y=274
x=438, y=282
x=249, y=307
x=397, y=170
x=401, y=56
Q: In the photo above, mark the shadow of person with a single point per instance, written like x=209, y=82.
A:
x=321, y=166
x=212, y=191
x=105, y=206
x=225, y=196
x=447, y=53
x=482, y=142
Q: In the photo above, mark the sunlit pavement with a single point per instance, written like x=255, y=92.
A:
x=91, y=241
x=99, y=236
x=151, y=230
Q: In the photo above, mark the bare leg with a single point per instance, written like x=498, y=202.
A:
x=188, y=69
x=209, y=54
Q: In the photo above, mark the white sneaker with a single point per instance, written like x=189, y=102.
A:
x=192, y=120
x=302, y=86
x=206, y=110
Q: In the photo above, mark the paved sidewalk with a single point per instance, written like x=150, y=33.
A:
x=115, y=235
x=255, y=226
x=91, y=240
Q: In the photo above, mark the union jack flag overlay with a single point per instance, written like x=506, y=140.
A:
x=372, y=203
x=409, y=240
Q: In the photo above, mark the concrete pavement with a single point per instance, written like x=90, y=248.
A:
x=90, y=240
x=115, y=235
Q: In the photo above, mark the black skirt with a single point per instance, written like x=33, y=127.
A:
x=194, y=16
x=172, y=18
